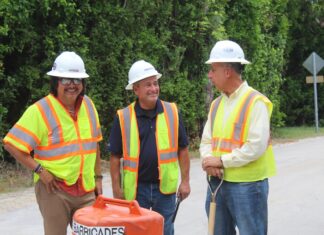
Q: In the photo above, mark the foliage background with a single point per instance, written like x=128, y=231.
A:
x=176, y=37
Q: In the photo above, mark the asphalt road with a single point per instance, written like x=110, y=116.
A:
x=296, y=198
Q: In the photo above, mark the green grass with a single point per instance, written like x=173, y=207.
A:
x=279, y=135
x=294, y=133
x=15, y=176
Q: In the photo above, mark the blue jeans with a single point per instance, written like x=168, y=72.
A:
x=149, y=197
x=241, y=205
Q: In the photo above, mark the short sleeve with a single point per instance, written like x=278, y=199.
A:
x=183, y=139
x=115, y=139
x=28, y=132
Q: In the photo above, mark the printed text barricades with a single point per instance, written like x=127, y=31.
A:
x=109, y=216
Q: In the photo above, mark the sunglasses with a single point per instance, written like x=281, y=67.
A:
x=68, y=81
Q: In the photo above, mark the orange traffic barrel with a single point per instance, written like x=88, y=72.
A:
x=108, y=216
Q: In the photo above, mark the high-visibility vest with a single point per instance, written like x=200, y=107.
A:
x=65, y=147
x=166, y=135
x=233, y=134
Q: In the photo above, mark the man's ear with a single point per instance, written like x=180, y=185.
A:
x=228, y=72
x=135, y=88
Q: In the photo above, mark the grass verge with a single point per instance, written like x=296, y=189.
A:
x=14, y=176
x=290, y=134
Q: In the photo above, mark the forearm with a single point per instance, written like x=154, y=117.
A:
x=205, y=147
x=115, y=171
x=98, y=162
x=23, y=158
x=184, y=163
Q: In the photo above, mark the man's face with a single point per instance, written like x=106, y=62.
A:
x=218, y=75
x=69, y=89
x=147, y=91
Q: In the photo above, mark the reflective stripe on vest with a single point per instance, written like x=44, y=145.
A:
x=232, y=133
x=23, y=136
x=91, y=113
x=66, y=149
x=64, y=146
x=228, y=145
x=131, y=146
x=51, y=120
x=57, y=147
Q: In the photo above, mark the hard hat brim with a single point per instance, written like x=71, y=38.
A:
x=242, y=61
x=68, y=74
x=130, y=85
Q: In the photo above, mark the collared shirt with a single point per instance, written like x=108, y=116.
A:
x=148, y=159
x=258, y=134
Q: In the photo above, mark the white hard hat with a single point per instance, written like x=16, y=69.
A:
x=68, y=65
x=227, y=51
x=139, y=71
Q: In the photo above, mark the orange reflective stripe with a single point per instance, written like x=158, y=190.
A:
x=127, y=114
x=225, y=144
x=228, y=145
x=169, y=113
x=59, y=157
x=168, y=150
x=51, y=121
x=54, y=146
x=45, y=120
x=24, y=135
x=168, y=156
x=246, y=113
x=76, y=126
x=65, y=149
x=124, y=117
x=130, y=164
x=171, y=117
x=168, y=160
x=214, y=109
x=92, y=116
x=30, y=148
x=236, y=140
x=238, y=130
x=57, y=120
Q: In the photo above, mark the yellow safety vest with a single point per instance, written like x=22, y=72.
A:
x=167, y=126
x=65, y=147
x=233, y=134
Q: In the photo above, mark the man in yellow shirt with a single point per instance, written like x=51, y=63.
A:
x=57, y=137
x=236, y=146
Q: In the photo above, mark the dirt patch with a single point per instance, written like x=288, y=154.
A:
x=18, y=199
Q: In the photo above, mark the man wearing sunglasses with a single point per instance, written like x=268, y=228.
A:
x=57, y=137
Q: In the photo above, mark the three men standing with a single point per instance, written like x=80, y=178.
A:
x=148, y=143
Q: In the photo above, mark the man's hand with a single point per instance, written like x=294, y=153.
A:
x=118, y=193
x=49, y=180
x=214, y=171
x=212, y=162
x=213, y=166
x=183, y=190
x=98, y=188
